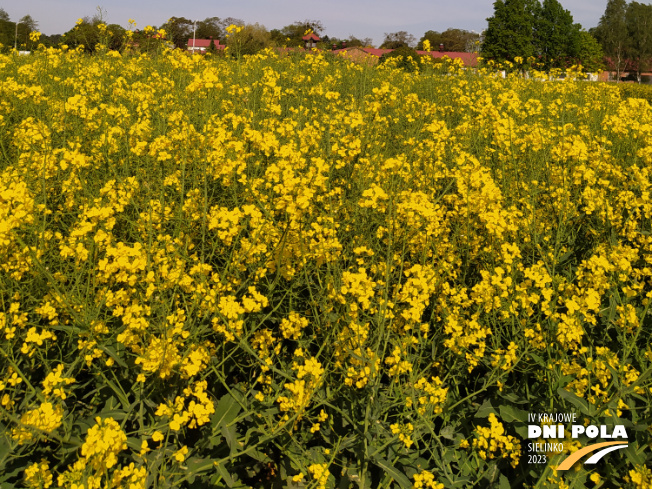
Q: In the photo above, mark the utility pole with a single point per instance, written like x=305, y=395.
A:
x=16, y=38
x=194, y=29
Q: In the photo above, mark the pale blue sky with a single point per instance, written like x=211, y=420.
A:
x=341, y=18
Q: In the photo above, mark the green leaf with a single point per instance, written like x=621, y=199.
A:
x=224, y=474
x=393, y=472
x=575, y=400
x=447, y=432
x=511, y=414
x=226, y=411
x=537, y=359
x=485, y=410
x=134, y=443
x=110, y=351
x=198, y=465
x=229, y=433
x=504, y=482
x=634, y=454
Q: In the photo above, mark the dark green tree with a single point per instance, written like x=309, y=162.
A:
x=409, y=59
x=395, y=40
x=458, y=40
x=589, y=52
x=350, y=42
x=639, y=29
x=510, y=32
x=7, y=30
x=251, y=39
x=210, y=27
x=179, y=30
x=612, y=35
x=556, y=36
x=292, y=35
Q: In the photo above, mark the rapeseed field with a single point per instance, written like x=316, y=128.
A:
x=291, y=270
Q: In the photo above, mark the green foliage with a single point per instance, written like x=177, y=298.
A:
x=179, y=30
x=639, y=29
x=16, y=34
x=211, y=27
x=328, y=42
x=291, y=35
x=93, y=32
x=457, y=40
x=510, y=32
x=546, y=31
x=406, y=58
x=556, y=36
x=395, y=40
x=612, y=35
x=589, y=52
x=249, y=40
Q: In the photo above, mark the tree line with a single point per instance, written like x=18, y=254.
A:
x=625, y=33
x=542, y=31
x=16, y=34
x=545, y=32
x=251, y=38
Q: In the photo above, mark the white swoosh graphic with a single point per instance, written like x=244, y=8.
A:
x=598, y=455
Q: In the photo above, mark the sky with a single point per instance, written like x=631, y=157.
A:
x=341, y=18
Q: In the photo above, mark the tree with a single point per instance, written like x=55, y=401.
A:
x=395, y=40
x=7, y=30
x=556, y=35
x=250, y=39
x=29, y=22
x=350, y=42
x=210, y=27
x=226, y=22
x=408, y=59
x=21, y=33
x=458, y=40
x=292, y=35
x=510, y=32
x=589, y=53
x=612, y=34
x=179, y=30
x=638, y=18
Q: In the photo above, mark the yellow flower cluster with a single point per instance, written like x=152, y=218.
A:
x=196, y=413
x=403, y=432
x=309, y=376
x=38, y=475
x=426, y=480
x=319, y=474
x=54, y=382
x=292, y=233
x=492, y=441
x=38, y=422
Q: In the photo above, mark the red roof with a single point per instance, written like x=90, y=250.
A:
x=204, y=43
x=312, y=36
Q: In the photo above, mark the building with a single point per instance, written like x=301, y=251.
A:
x=310, y=40
x=203, y=45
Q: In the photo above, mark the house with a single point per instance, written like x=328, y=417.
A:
x=310, y=40
x=627, y=73
x=203, y=45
